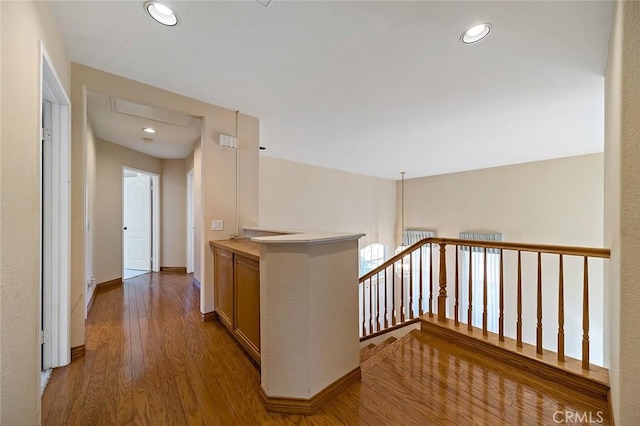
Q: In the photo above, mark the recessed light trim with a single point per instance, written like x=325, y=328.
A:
x=161, y=13
x=475, y=33
x=149, y=130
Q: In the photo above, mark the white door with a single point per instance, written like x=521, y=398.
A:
x=137, y=222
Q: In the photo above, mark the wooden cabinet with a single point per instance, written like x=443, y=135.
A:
x=237, y=290
x=247, y=297
x=223, y=279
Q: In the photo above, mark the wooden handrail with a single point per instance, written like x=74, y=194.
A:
x=537, y=248
x=411, y=281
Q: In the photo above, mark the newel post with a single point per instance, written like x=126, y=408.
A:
x=442, y=296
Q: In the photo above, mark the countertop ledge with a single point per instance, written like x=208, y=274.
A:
x=302, y=237
x=241, y=246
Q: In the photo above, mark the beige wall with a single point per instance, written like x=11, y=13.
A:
x=189, y=166
x=174, y=213
x=111, y=158
x=79, y=140
x=90, y=191
x=24, y=25
x=1, y=188
x=622, y=214
x=216, y=171
x=613, y=103
x=188, y=162
x=308, y=293
x=198, y=205
x=218, y=186
x=550, y=202
x=300, y=196
x=1, y=234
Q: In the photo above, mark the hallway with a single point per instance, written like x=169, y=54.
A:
x=151, y=361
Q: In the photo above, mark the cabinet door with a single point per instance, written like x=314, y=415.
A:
x=223, y=276
x=247, y=275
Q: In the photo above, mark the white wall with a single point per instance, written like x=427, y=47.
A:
x=622, y=210
x=111, y=158
x=24, y=25
x=90, y=243
x=550, y=202
x=174, y=213
x=301, y=196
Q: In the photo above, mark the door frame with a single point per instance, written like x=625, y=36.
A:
x=155, y=217
x=55, y=259
x=190, y=223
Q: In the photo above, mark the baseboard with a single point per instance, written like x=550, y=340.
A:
x=104, y=285
x=176, y=269
x=196, y=283
x=210, y=316
x=107, y=284
x=309, y=406
x=77, y=352
x=593, y=382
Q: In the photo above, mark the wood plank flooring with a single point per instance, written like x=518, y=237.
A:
x=151, y=361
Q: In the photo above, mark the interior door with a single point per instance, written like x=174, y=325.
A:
x=137, y=222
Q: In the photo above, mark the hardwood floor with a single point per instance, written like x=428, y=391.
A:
x=151, y=361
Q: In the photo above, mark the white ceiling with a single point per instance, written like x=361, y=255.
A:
x=170, y=141
x=372, y=87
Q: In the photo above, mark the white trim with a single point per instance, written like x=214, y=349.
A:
x=56, y=262
x=47, y=271
x=155, y=223
x=190, y=223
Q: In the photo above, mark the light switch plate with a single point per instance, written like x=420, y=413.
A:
x=217, y=225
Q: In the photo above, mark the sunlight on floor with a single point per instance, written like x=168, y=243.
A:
x=130, y=273
x=44, y=379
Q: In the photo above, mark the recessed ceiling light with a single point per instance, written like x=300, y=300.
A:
x=161, y=13
x=147, y=140
x=475, y=33
x=149, y=130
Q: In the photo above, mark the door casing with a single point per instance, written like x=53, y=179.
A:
x=55, y=237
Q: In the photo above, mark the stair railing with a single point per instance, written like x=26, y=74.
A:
x=404, y=288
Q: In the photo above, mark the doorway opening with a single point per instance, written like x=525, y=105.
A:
x=190, y=223
x=140, y=218
x=55, y=223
